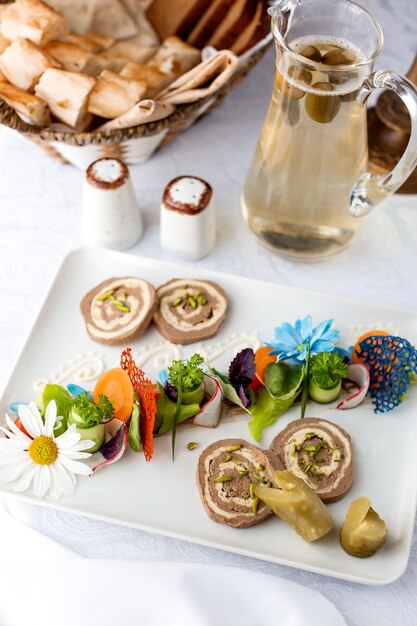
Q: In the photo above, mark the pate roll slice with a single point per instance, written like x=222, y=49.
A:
x=227, y=473
x=320, y=453
x=118, y=309
x=190, y=310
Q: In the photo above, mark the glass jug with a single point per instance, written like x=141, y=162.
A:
x=308, y=182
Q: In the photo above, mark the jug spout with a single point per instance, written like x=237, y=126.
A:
x=281, y=12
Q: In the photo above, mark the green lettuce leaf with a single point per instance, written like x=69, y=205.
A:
x=282, y=386
x=166, y=410
x=62, y=398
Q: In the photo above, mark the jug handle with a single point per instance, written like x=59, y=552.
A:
x=370, y=188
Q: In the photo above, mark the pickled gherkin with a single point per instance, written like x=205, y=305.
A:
x=363, y=532
x=298, y=505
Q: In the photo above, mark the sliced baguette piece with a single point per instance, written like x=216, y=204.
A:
x=92, y=42
x=34, y=20
x=183, y=56
x=3, y=43
x=73, y=58
x=67, y=96
x=210, y=21
x=131, y=51
x=113, y=95
x=23, y=63
x=179, y=20
x=110, y=18
x=154, y=78
x=253, y=33
x=31, y=109
x=238, y=18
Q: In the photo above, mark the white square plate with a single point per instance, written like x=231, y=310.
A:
x=161, y=496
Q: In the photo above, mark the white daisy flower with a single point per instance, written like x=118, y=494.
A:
x=49, y=462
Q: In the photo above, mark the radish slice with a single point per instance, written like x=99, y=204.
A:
x=209, y=416
x=114, y=448
x=359, y=374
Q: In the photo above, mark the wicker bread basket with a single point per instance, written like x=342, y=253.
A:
x=135, y=144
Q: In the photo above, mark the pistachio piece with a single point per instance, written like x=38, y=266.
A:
x=105, y=296
x=123, y=295
x=176, y=302
x=321, y=108
x=192, y=302
x=244, y=473
x=227, y=458
x=251, y=491
x=260, y=479
x=237, y=462
x=121, y=307
x=192, y=445
x=255, y=505
x=202, y=301
x=223, y=479
x=298, y=74
x=260, y=467
x=234, y=448
x=312, y=53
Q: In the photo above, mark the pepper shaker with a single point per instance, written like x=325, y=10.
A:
x=188, y=219
x=111, y=215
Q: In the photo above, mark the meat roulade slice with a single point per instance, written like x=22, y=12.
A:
x=320, y=453
x=190, y=310
x=226, y=471
x=118, y=309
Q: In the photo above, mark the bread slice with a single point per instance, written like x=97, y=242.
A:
x=23, y=63
x=210, y=21
x=34, y=20
x=182, y=56
x=31, y=109
x=238, y=18
x=257, y=29
x=112, y=19
x=179, y=20
x=67, y=95
x=73, y=58
x=113, y=95
x=155, y=79
x=92, y=42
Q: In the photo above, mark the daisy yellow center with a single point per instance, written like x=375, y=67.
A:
x=43, y=450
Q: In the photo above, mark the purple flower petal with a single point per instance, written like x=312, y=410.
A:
x=242, y=395
x=171, y=392
x=114, y=448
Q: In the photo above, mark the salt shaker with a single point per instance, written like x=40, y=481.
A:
x=188, y=220
x=111, y=215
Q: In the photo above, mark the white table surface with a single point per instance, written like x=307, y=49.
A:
x=40, y=217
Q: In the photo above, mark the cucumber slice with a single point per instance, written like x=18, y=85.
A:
x=323, y=396
x=74, y=418
x=193, y=397
x=95, y=433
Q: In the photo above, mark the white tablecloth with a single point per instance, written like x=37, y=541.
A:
x=40, y=217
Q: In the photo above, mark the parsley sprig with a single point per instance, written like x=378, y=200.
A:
x=187, y=375
x=93, y=413
x=327, y=368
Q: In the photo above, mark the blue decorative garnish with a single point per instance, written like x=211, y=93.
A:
x=392, y=364
x=292, y=342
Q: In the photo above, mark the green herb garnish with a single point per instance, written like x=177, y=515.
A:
x=327, y=369
x=91, y=413
x=187, y=374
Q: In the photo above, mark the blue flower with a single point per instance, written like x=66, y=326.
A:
x=291, y=342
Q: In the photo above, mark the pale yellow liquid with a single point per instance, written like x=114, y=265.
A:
x=296, y=196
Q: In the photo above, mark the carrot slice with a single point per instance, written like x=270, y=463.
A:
x=143, y=388
x=116, y=385
x=357, y=350
x=262, y=359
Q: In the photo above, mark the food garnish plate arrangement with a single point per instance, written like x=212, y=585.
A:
x=162, y=495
